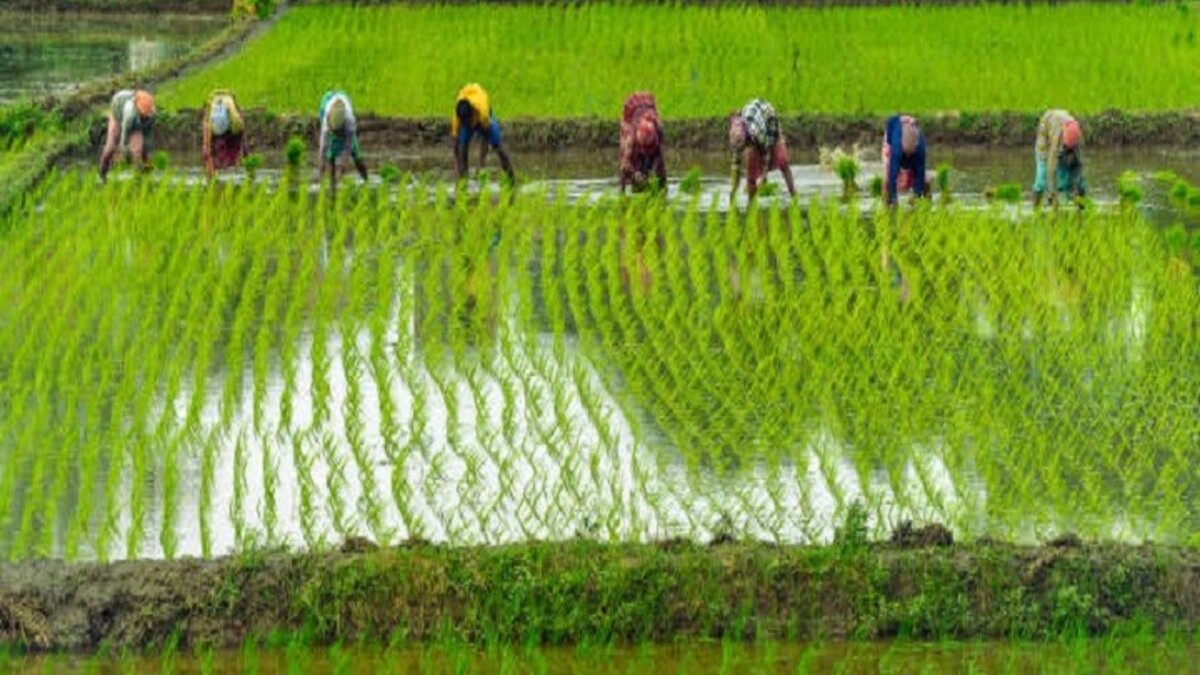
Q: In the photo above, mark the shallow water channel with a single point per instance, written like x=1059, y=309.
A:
x=586, y=174
x=51, y=53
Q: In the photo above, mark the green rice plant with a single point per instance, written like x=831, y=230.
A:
x=390, y=174
x=875, y=187
x=295, y=151
x=1130, y=63
x=691, y=182
x=252, y=163
x=1009, y=193
x=626, y=370
x=846, y=169
x=943, y=181
x=1128, y=188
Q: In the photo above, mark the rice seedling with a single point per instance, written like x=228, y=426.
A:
x=711, y=57
x=295, y=151
x=471, y=372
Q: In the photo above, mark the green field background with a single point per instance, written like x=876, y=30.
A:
x=565, y=62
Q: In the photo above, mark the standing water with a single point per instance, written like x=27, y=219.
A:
x=47, y=53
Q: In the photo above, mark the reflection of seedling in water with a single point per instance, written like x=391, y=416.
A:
x=295, y=151
x=691, y=182
x=252, y=163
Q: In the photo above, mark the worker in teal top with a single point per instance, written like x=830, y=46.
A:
x=339, y=132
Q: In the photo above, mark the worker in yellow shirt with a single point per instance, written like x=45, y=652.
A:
x=472, y=115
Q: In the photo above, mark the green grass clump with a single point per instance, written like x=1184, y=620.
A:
x=701, y=59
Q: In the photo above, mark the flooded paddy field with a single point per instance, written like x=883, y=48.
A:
x=49, y=53
x=592, y=173
x=477, y=374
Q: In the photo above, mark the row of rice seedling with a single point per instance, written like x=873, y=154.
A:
x=704, y=61
x=291, y=654
x=196, y=371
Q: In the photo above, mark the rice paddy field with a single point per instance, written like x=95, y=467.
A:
x=424, y=427
x=190, y=372
x=554, y=61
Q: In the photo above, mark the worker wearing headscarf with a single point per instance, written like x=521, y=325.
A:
x=339, y=132
x=1057, y=153
x=641, y=143
x=755, y=136
x=903, y=158
x=130, y=123
x=223, y=134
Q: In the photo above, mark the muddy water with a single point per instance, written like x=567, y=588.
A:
x=459, y=479
x=850, y=658
x=591, y=175
x=42, y=54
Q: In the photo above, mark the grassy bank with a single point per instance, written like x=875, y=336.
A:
x=566, y=62
x=580, y=592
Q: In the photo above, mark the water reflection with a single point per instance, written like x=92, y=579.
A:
x=42, y=55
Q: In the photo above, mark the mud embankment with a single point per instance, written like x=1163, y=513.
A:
x=768, y=3
x=270, y=131
x=575, y=591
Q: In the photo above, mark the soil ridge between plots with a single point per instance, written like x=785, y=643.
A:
x=915, y=586
x=270, y=131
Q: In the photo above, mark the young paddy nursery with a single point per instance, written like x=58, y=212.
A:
x=255, y=425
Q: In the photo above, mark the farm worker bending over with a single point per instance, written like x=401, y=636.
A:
x=754, y=131
x=224, y=143
x=473, y=115
x=339, y=131
x=903, y=158
x=641, y=143
x=1057, y=153
x=130, y=123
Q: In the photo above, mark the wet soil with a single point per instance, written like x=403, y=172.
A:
x=628, y=591
x=1111, y=129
